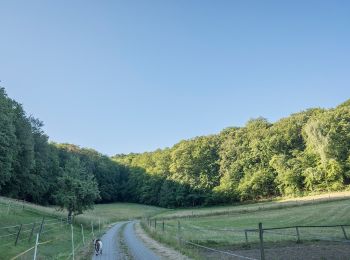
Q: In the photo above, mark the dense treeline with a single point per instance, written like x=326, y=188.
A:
x=35, y=170
x=305, y=152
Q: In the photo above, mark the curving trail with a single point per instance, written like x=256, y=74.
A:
x=110, y=244
x=135, y=247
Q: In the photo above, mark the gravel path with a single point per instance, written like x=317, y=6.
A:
x=136, y=247
x=110, y=250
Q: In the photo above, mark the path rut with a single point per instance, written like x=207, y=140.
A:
x=136, y=247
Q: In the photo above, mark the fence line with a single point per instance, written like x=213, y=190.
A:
x=202, y=236
x=46, y=225
x=9, y=243
x=8, y=227
x=48, y=230
x=8, y=235
x=23, y=235
x=218, y=251
x=24, y=205
x=26, y=251
x=53, y=219
x=277, y=233
x=56, y=223
x=26, y=231
x=310, y=226
x=31, y=223
x=215, y=229
x=79, y=244
x=332, y=240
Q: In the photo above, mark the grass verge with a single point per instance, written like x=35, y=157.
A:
x=56, y=234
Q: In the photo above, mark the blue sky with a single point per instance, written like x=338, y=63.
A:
x=133, y=76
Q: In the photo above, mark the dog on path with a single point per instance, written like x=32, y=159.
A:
x=98, y=246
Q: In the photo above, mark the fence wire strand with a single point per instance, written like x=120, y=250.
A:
x=218, y=251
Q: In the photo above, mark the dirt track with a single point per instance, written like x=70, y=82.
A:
x=134, y=246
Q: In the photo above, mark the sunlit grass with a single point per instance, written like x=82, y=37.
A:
x=121, y=211
x=254, y=206
x=230, y=229
x=56, y=232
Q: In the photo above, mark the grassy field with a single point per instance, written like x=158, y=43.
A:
x=121, y=211
x=224, y=227
x=253, y=206
x=56, y=234
x=214, y=226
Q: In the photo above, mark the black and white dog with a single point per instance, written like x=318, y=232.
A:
x=98, y=246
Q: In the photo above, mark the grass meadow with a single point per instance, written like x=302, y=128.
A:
x=56, y=235
x=227, y=227
x=121, y=211
x=214, y=226
x=277, y=203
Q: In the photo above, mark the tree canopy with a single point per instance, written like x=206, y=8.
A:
x=306, y=152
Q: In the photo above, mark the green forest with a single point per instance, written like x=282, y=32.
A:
x=304, y=153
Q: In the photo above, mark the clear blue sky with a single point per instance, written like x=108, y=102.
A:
x=133, y=76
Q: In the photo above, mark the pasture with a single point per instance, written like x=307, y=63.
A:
x=114, y=212
x=276, y=203
x=220, y=227
x=236, y=229
x=56, y=234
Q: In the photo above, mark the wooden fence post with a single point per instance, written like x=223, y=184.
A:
x=179, y=231
x=163, y=226
x=155, y=224
x=41, y=226
x=92, y=229
x=36, y=246
x=344, y=232
x=261, y=237
x=19, y=232
x=71, y=227
x=82, y=233
x=31, y=232
x=298, y=235
x=246, y=236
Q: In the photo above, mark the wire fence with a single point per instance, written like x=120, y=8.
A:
x=10, y=206
x=291, y=242
x=13, y=206
x=55, y=235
